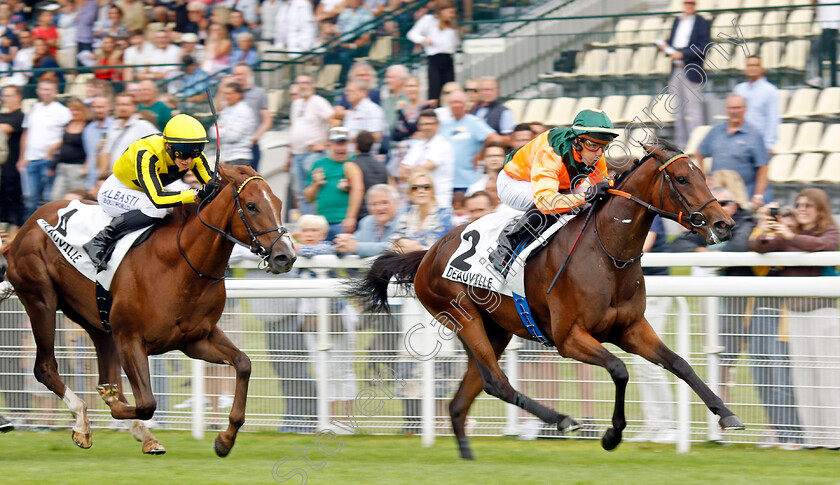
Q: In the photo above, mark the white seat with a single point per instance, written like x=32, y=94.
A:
x=594, y=63
x=650, y=29
x=643, y=61
x=780, y=167
x=705, y=5
x=675, y=6
x=808, y=136
x=695, y=138
x=830, y=171
x=750, y=24
x=828, y=103
x=708, y=165
x=773, y=24
x=78, y=89
x=623, y=149
x=27, y=104
x=830, y=139
x=784, y=139
x=659, y=108
x=800, y=23
x=586, y=102
x=625, y=31
x=784, y=95
x=619, y=64
x=781, y=3
x=275, y=100
x=807, y=168
x=719, y=57
x=801, y=103
x=728, y=4
x=662, y=64
x=634, y=106
x=613, y=106
x=536, y=110
x=796, y=54
x=562, y=112
x=753, y=4
x=517, y=107
x=771, y=55
x=723, y=22
x=328, y=76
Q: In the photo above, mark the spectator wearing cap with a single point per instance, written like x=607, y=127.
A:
x=194, y=83
x=236, y=122
x=374, y=233
x=244, y=50
x=491, y=110
x=294, y=27
x=309, y=115
x=336, y=185
x=191, y=47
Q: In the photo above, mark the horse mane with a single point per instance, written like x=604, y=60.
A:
x=234, y=174
x=660, y=143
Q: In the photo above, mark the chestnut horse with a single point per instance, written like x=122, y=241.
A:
x=599, y=296
x=168, y=293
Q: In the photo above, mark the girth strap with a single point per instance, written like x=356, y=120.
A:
x=104, y=300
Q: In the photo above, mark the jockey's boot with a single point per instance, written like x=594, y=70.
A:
x=519, y=232
x=102, y=245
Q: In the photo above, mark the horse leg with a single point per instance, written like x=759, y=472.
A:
x=468, y=390
x=582, y=346
x=218, y=349
x=641, y=339
x=41, y=307
x=110, y=390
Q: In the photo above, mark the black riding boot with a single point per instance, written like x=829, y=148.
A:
x=102, y=245
x=526, y=228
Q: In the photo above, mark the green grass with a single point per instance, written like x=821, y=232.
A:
x=28, y=457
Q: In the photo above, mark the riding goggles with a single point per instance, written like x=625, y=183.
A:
x=186, y=151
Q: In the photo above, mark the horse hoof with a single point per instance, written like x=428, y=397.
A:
x=567, y=424
x=611, y=439
x=731, y=422
x=82, y=440
x=464, y=448
x=153, y=447
x=222, y=450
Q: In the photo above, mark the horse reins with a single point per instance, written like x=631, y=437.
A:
x=254, y=245
x=695, y=218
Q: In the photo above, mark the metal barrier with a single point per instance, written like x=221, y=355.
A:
x=314, y=354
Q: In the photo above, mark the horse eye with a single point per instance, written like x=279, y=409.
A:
x=252, y=207
x=682, y=180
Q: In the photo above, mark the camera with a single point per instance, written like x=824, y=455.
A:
x=774, y=212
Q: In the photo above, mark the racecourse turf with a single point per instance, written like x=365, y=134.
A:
x=51, y=457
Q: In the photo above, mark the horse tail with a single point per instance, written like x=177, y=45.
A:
x=373, y=287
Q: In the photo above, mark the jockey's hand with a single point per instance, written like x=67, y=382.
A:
x=207, y=190
x=597, y=191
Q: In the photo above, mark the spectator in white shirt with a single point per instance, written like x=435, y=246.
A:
x=164, y=53
x=363, y=114
x=439, y=37
x=295, y=29
x=762, y=99
x=125, y=130
x=236, y=122
x=431, y=153
x=136, y=54
x=309, y=118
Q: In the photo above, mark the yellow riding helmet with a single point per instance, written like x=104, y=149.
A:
x=185, y=137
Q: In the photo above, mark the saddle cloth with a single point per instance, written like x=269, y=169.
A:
x=470, y=263
x=77, y=224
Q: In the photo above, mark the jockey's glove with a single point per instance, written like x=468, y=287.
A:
x=597, y=191
x=207, y=190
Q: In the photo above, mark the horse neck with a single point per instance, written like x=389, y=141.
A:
x=623, y=224
x=207, y=250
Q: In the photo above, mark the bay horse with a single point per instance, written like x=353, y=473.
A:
x=599, y=296
x=168, y=293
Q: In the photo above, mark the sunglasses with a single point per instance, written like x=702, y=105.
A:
x=424, y=186
x=591, y=145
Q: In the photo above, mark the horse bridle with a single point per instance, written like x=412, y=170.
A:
x=254, y=245
x=695, y=219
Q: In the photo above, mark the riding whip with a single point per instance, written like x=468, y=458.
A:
x=218, y=140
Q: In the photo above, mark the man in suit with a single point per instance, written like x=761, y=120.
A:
x=686, y=47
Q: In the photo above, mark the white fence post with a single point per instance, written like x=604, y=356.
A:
x=322, y=363
x=428, y=400
x=512, y=371
x=683, y=396
x=198, y=399
x=713, y=350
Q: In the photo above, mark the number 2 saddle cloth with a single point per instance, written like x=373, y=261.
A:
x=470, y=263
